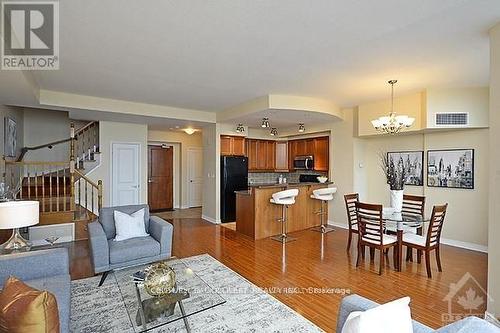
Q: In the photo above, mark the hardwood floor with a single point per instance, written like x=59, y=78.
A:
x=314, y=261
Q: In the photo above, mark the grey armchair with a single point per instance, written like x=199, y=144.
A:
x=108, y=254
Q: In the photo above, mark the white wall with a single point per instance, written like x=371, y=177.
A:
x=184, y=142
x=45, y=126
x=114, y=132
x=494, y=176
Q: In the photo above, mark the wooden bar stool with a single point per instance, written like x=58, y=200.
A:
x=325, y=195
x=285, y=199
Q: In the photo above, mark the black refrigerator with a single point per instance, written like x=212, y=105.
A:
x=234, y=177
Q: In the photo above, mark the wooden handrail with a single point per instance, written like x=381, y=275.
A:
x=81, y=129
x=24, y=150
x=81, y=175
x=37, y=163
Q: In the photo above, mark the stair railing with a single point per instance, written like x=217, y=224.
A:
x=88, y=193
x=86, y=142
x=46, y=182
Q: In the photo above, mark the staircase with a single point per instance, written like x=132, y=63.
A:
x=65, y=193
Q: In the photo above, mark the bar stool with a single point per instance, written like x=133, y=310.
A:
x=285, y=199
x=325, y=195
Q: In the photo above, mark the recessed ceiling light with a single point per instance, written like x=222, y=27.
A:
x=189, y=130
x=274, y=131
x=302, y=128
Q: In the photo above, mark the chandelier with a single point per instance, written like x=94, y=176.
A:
x=392, y=124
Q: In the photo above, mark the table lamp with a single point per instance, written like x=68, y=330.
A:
x=15, y=215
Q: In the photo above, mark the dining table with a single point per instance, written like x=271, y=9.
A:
x=399, y=223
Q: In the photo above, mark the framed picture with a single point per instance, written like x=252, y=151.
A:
x=10, y=139
x=450, y=168
x=413, y=161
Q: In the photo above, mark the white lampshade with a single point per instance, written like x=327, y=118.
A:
x=18, y=214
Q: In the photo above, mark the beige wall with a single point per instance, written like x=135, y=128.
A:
x=45, y=126
x=355, y=166
x=185, y=142
x=114, y=132
x=211, y=165
x=494, y=176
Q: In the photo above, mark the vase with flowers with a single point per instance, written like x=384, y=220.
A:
x=396, y=174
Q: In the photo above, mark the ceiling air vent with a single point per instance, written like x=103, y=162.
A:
x=452, y=119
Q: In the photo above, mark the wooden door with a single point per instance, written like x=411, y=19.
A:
x=271, y=156
x=160, y=178
x=252, y=154
x=321, y=153
x=238, y=146
x=281, y=163
x=225, y=145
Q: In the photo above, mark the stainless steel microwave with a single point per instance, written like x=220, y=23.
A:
x=305, y=162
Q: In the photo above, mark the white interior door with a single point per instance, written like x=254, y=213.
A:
x=125, y=174
x=195, y=174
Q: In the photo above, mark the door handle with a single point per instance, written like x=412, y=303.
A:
x=150, y=181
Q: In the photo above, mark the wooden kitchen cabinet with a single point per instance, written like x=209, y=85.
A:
x=232, y=145
x=317, y=147
x=321, y=153
x=261, y=155
x=281, y=163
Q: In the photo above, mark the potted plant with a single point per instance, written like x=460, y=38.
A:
x=397, y=175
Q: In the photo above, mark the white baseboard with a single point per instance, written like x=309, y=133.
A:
x=185, y=207
x=489, y=317
x=450, y=242
x=209, y=219
x=465, y=245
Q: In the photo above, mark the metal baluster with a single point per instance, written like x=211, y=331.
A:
x=86, y=194
x=43, y=188
x=29, y=184
x=57, y=189
x=64, y=189
x=50, y=189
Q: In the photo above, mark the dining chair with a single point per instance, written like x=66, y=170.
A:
x=432, y=240
x=352, y=218
x=414, y=205
x=371, y=232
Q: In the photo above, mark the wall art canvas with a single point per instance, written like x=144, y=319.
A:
x=412, y=161
x=450, y=168
x=10, y=139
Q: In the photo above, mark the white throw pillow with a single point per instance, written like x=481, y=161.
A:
x=392, y=317
x=129, y=226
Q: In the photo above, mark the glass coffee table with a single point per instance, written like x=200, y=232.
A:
x=191, y=295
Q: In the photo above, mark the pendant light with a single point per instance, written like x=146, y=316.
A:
x=392, y=124
x=265, y=123
x=302, y=128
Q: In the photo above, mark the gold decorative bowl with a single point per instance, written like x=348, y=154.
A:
x=159, y=279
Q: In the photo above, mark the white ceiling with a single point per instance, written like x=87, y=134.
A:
x=211, y=55
x=284, y=118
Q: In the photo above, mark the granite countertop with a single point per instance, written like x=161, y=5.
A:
x=271, y=185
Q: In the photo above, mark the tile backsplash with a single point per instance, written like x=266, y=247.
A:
x=272, y=177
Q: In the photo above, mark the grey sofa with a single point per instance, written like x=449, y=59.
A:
x=108, y=254
x=43, y=270
x=468, y=325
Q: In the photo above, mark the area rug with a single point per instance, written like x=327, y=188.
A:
x=95, y=309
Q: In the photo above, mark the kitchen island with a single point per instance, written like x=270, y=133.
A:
x=257, y=217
